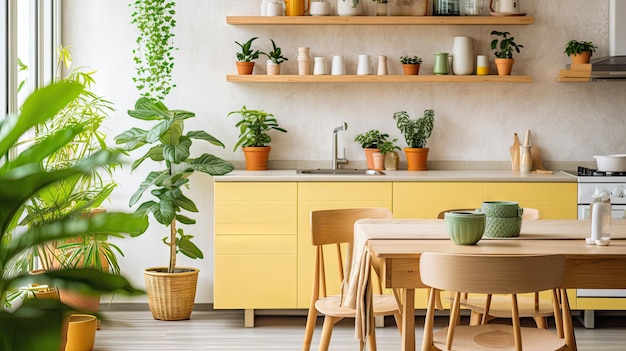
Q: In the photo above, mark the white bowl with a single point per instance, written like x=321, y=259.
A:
x=611, y=163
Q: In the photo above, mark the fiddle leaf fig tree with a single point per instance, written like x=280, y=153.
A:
x=170, y=147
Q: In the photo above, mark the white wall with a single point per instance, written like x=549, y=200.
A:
x=473, y=122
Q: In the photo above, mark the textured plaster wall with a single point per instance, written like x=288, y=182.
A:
x=473, y=122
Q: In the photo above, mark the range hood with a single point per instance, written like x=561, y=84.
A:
x=613, y=67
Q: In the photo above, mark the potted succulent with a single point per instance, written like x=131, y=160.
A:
x=169, y=149
x=390, y=156
x=275, y=58
x=245, y=65
x=411, y=64
x=580, y=51
x=253, y=137
x=370, y=142
x=416, y=132
x=21, y=179
x=504, y=51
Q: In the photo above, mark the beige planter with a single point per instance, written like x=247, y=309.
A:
x=171, y=295
x=81, y=332
x=272, y=68
x=379, y=161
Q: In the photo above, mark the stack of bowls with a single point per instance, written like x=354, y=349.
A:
x=464, y=228
x=503, y=219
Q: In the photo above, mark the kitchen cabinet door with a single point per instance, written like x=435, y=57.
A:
x=426, y=199
x=553, y=200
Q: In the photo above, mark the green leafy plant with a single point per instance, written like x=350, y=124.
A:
x=169, y=146
x=275, y=55
x=507, y=45
x=247, y=54
x=253, y=127
x=154, y=60
x=354, y=2
x=574, y=47
x=416, y=131
x=388, y=146
x=372, y=139
x=410, y=60
x=22, y=178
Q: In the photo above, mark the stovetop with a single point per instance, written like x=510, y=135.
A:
x=588, y=172
x=590, y=175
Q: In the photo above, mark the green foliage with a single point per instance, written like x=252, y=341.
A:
x=247, y=54
x=168, y=143
x=416, y=131
x=372, y=139
x=410, y=60
x=275, y=55
x=388, y=146
x=154, y=61
x=21, y=178
x=507, y=45
x=253, y=127
x=354, y=2
x=574, y=47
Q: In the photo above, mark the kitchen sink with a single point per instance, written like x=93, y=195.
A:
x=341, y=171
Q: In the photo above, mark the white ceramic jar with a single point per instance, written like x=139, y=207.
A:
x=462, y=56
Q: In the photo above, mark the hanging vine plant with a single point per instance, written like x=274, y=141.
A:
x=154, y=62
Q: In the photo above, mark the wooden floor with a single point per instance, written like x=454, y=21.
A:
x=223, y=330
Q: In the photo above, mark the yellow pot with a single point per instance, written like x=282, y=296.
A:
x=81, y=332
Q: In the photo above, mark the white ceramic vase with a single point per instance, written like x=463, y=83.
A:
x=462, y=56
x=349, y=7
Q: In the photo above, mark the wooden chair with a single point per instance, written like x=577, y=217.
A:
x=333, y=228
x=491, y=274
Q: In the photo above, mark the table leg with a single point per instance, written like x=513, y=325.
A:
x=408, y=320
x=568, y=328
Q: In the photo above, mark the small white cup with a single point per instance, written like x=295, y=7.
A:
x=338, y=66
x=319, y=66
x=274, y=9
x=364, y=66
x=319, y=8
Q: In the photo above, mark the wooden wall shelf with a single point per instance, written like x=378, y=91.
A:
x=283, y=78
x=380, y=20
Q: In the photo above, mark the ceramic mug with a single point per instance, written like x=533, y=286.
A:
x=319, y=8
x=364, y=66
x=504, y=6
x=319, y=66
x=338, y=66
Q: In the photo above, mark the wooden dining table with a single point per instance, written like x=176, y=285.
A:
x=395, y=247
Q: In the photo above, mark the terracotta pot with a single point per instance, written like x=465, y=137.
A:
x=416, y=158
x=583, y=57
x=379, y=161
x=411, y=69
x=256, y=157
x=171, y=295
x=369, y=159
x=273, y=69
x=245, y=67
x=81, y=332
x=504, y=65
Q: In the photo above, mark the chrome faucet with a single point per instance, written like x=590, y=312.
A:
x=339, y=161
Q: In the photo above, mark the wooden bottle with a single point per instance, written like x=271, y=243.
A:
x=515, y=150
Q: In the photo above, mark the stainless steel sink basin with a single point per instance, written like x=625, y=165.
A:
x=342, y=171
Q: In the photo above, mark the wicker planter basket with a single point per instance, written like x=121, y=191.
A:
x=171, y=295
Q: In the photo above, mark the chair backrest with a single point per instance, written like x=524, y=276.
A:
x=492, y=274
x=336, y=227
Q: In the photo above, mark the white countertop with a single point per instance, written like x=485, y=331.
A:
x=397, y=176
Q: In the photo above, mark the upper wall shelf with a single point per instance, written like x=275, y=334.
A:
x=380, y=20
x=261, y=78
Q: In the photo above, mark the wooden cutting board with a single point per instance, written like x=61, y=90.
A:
x=514, y=150
x=535, y=153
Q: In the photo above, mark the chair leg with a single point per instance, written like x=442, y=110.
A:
x=327, y=331
x=371, y=340
x=541, y=322
x=475, y=318
x=311, y=320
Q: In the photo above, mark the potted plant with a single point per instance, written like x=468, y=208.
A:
x=580, y=51
x=275, y=59
x=253, y=137
x=370, y=142
x=411, y=64
x=381, y=7
x=349, y=8
x=169, y=147
x=390, y=155
x=504, y=51
x=416, y=132
x=245, y=65
x=21, y=179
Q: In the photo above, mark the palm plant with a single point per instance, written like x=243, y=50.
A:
x=22, y=178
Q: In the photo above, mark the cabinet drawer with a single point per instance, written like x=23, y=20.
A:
x=254, y=191
x=255, y=245
x=426, y=199
x=340, y=191
x=531, y=192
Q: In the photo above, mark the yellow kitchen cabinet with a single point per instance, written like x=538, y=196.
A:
x=553, y=200
x=323, y=196
x=426, y=199
x=255, y=245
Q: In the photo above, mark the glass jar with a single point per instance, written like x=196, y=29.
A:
x=472, y=7
x=600, y=214
x=446, y=8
